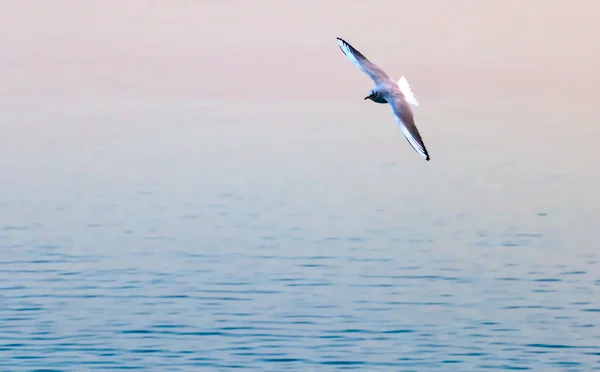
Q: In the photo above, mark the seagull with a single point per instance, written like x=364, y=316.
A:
x=398, y=95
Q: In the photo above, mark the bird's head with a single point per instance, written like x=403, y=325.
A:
x=371, y=95
x=376, y=97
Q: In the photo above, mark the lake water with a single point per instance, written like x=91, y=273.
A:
x=207, y=242
x=181, y=190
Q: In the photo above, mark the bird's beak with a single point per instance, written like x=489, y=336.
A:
x=369, y=96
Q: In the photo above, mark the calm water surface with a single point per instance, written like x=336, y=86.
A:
x=214, y=237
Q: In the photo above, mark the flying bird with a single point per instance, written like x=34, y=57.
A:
x=398, y=95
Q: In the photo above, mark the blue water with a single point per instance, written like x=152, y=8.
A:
x=289, y=311
x=168, y=250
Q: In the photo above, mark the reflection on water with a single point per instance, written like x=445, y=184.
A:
x=216, y=237
x=268, y=310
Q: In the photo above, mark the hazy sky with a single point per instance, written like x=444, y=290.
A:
x=197, y=50
x=508, y=93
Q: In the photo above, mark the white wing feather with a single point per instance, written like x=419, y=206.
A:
x=408, y=94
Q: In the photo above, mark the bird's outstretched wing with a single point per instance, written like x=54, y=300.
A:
x=404, y=117
x=368, y=67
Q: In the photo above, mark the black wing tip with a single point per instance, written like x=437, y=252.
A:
x=342, y=40
x=352, y=49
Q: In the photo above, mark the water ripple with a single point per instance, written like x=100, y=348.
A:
x=352, y=310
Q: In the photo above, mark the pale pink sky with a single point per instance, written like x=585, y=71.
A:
x=238, y=49
x=508, y=93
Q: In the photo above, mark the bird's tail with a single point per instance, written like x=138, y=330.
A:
x=408, y=94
